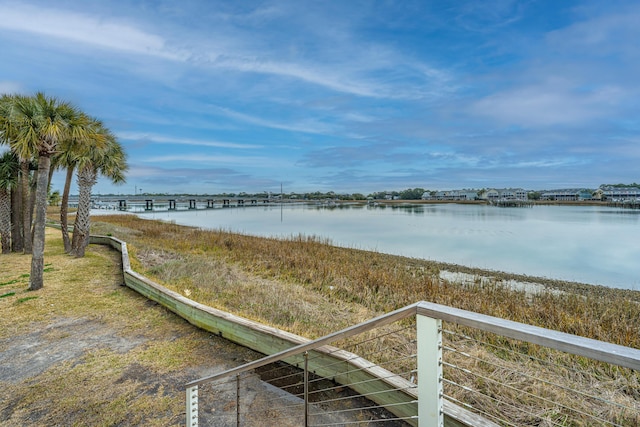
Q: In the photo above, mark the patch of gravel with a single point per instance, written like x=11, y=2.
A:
x=29, y=355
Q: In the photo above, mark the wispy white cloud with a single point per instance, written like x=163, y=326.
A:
x=164, y=139
x=602, y=34
x=306, y=126
x=307, y=73
x=554, y=102
x=85, y=29
x=143, y=171
x=358, y=76
x=215, y=160
x=543, y=163
x=488, y=16
x=349, y=70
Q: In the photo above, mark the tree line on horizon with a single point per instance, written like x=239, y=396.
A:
x=407, y=194
x=44, y=134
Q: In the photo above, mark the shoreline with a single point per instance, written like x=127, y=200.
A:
x=557, y=284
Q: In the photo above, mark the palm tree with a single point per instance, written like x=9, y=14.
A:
x=20, y=197
x=69, y=159
x=17, y=242
x=23, y=117
x=8, y=175
x=110, y=161
x=42, y=124
x=66, y=159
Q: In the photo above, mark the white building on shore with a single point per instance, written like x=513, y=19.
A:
x=494, y=194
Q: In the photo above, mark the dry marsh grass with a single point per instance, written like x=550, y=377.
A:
x=306, y=286
x=363, y=283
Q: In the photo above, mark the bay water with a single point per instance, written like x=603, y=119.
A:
x=588, y=244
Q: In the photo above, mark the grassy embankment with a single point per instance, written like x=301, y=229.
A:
x=84, y=350
x=306, y=286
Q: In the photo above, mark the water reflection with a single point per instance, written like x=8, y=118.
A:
x=589, y=244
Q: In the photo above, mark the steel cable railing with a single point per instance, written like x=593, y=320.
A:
x=329, y=403
x=485, y=373
x=501, y=385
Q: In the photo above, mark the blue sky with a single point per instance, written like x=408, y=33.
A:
x=213, y=96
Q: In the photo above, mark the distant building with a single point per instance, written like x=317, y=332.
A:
x=614, y=193
x=568, y=195
x=467, y=195
x=456, y=195
x=493, y=194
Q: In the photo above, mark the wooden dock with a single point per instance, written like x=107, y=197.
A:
x=626, y=204
x=512, y=203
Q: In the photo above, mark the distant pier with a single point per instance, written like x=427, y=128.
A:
x=627, y=204
x=163, y=204
x=512, y=203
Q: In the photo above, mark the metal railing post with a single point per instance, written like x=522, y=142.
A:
x=192, y=407
x=306, y=388
x=238, y=400
x=430, y=393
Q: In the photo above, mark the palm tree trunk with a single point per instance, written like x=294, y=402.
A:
x=26, y=210
x=64, y=210
x=5, y=220
x=36, y=279
x=16, y=223
x=86, y=179
x=51, y=171
x=32, y=201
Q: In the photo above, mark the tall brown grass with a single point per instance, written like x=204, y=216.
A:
x=374, y=283
x=305, y=285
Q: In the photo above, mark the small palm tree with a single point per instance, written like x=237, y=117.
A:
x=66, y=159
x=8, y=180
x=9, y=128
x=109, y=161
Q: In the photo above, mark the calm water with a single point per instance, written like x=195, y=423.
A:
x=597, y=245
